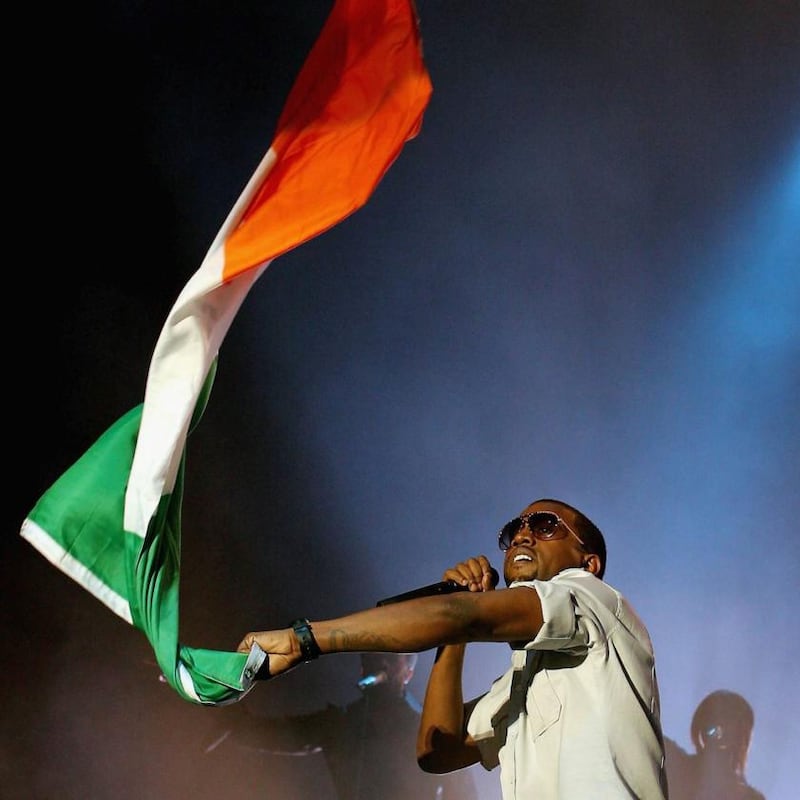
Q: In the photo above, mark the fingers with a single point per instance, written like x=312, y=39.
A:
x=474, y=573
x=246, y=643
x=279, y=641
x=281, y=655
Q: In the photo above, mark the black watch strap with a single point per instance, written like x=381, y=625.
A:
x=308, y=644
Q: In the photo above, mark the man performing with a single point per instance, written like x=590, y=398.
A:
x=576, y=717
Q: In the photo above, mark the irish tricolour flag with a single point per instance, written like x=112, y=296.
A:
x=112, y=521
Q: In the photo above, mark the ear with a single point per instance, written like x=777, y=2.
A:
x=591, y=563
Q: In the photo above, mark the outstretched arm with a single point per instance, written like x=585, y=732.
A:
x=505, y=615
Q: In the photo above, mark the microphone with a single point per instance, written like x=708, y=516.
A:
x=442, y=587
x=368, y=681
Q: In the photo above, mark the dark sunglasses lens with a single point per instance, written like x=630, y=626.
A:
x=508, y=532
x=543, y=523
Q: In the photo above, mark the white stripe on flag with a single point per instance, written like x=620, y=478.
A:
x=56, y=554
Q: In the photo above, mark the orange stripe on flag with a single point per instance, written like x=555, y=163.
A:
x=359, y=97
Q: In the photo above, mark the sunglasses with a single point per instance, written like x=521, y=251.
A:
x=543, y=525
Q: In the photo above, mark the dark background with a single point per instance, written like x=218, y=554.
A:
x=581, y=280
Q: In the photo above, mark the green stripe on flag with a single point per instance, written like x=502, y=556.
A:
x=78, y=525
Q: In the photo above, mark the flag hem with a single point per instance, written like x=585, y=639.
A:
x=59, y=557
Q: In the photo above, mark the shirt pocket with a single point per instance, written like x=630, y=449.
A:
x=542, y=704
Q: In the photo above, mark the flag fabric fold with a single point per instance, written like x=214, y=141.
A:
x=112, y=520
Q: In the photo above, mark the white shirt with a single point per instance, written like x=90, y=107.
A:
x=577, y=715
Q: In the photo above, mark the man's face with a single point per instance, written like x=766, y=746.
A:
x=529, y=558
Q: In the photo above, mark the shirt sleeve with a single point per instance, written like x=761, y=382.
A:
x=563, y=627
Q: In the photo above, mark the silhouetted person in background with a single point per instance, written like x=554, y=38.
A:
x=368, y=745
x=721, y=729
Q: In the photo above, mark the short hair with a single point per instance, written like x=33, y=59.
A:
x=593, y=539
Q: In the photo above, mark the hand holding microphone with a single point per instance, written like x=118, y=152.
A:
x=472, y=571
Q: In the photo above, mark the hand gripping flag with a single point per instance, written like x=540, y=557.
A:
x=112, y=520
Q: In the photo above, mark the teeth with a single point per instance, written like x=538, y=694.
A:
x=522, y=557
